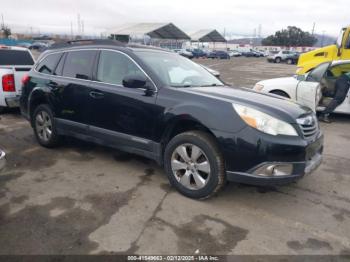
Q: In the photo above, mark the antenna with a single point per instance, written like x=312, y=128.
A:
x=313, y=29
x=259, y=31
x=71, y=29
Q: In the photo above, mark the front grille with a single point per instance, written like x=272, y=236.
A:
x=308, y=125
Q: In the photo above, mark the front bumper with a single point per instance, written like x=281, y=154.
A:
x=255, y=158
x=299, y=170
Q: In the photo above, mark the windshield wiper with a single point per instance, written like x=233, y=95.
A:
x=214, y=84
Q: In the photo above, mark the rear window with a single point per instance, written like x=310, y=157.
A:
x=48, y=64
x=79, y=64
x=15, y=57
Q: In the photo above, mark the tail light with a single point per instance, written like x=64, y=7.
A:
x=8, y=83
x=25, y=79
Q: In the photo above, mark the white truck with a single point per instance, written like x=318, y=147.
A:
x=15, y=63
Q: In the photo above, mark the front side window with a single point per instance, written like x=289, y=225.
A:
x=48, y=64
x=317, y=74
x=15, y=57
x=177, y=71
x=113, y=67
x=78, y=64
x=340, y=37
x=347, y=45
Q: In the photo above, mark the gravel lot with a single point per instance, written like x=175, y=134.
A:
x=86, y=199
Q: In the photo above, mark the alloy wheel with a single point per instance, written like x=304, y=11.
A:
x=43, y=126
x=190, y=166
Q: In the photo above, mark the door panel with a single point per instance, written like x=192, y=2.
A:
x=71, y=85
x=130, y=111
x=306, y=94
x=72, y=96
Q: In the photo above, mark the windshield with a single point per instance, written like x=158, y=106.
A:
x=340, y=37
x=177, y=71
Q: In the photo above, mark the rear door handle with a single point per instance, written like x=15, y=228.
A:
x=96, y=95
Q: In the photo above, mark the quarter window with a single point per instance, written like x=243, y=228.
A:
x=113, y=67
x=48, y=64
x=78, y=64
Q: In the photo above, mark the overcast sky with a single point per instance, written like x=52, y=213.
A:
x=237, y=17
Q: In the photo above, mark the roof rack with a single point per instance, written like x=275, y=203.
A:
x=87, y=42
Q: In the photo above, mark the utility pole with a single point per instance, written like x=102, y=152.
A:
x=323, y=31
x=313, y=29
x=82, y=27
x=2, y=20
x=71, y=30
x=79, y=24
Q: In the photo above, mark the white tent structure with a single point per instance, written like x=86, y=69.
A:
x=207, y=36
x=151, y=30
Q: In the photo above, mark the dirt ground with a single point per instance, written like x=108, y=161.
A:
x=86, y=199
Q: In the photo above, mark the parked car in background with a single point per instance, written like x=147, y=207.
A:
x=162, y=106
x=308, y=89
x=292, y=59
x=278, y=56
x=234, y=53
x=2, y=159
x=24, y=44
x=15, y=62
x=257, y=53
x=218, y=54
x=38, y=46
x=248, y=54
x=184, y=53
x=197, y=53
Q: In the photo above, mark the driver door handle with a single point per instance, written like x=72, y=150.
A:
x=96, y=95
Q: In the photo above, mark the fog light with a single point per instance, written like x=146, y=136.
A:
x=274, y=170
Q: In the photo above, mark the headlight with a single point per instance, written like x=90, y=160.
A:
x=258, y=87
x=264, y=122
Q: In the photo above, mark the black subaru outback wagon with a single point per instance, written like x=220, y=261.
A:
x=165, y=107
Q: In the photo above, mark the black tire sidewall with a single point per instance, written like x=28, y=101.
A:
x=53, y=141
x=206, y=146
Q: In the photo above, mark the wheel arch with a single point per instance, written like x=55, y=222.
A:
x=180, y=125
x=274, y=91
x=36, y=98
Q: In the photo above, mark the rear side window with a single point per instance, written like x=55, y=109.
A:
x=48, y=64
x=114, y=66
x=15, y=57
x=78, y=64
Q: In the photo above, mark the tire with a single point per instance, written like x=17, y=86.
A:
x=289, y=61
x=44, y=123
x=201, y=182
x=2, y=109
x=280, y=93
x=278, y=60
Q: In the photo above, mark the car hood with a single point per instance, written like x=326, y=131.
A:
x=279, y=107
x=289, y=81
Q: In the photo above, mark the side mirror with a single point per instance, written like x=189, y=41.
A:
x=135, y=81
